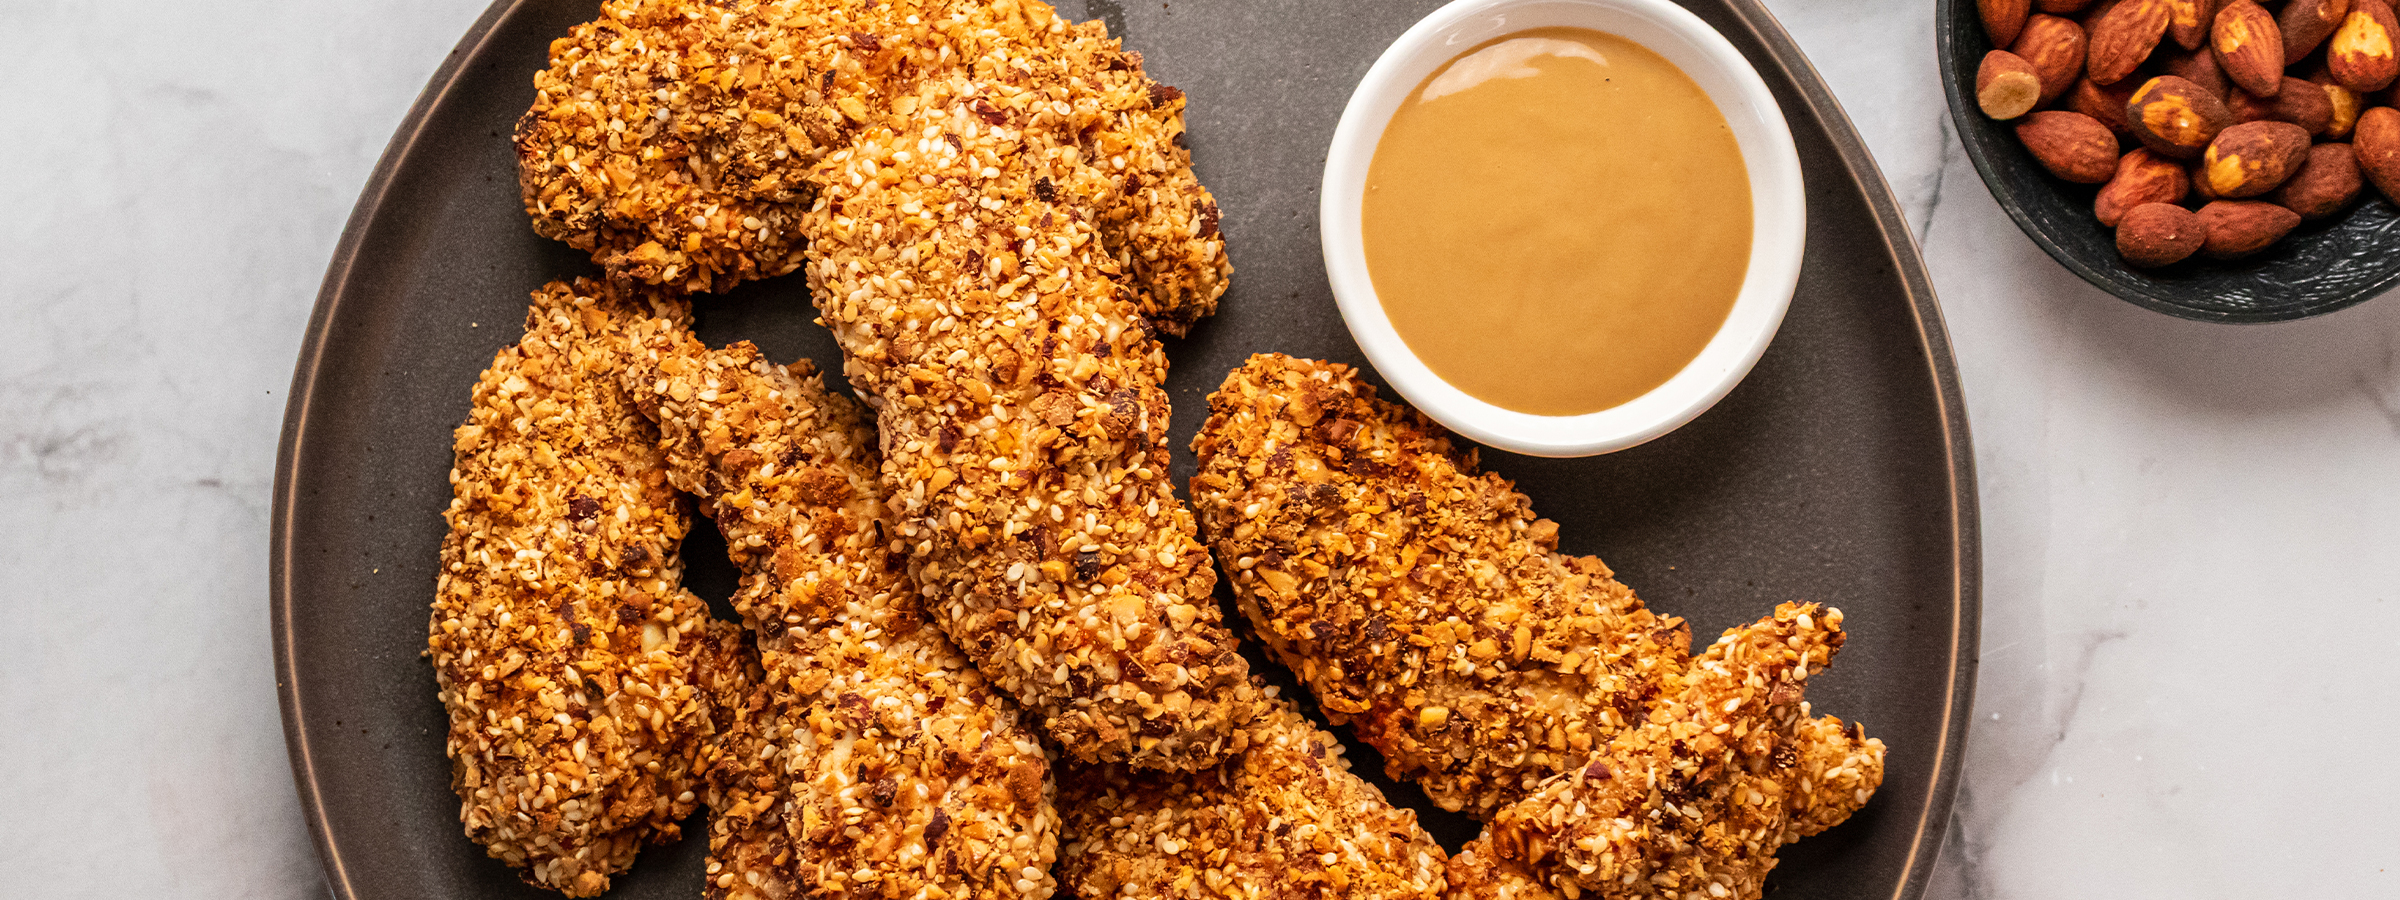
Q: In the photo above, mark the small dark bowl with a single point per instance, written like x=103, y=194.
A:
x=2324, y=266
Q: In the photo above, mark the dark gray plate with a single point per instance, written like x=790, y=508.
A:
x=2322, y=267
x=1839, y=471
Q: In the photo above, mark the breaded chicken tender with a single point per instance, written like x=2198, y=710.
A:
x=1284, y=818
x=1690, y=802
x=1426, y=604
x=1823, y=772
x=668, y=137
x=1023, y=422
x=1130, y=166
x=576, y=669
x=873, y=760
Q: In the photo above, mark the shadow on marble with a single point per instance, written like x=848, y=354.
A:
x=2226, y=370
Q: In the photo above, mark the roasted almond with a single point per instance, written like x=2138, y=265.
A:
x=2006, y=85
x=2142, y=177
x=2326, y=182
x=2346, y=105
x=2249, y=48
x=2071, y=145
x=2301, y=103
x=2251, y=158
x=2188, y=21
x=2237, y=228
x=2159, y=234
x=2200, y=190
x=2306, y=23
x=2122, y=37
x=2175, y=118
x=2199, y=68
x=2055, y=48
x=2002, y=19
x=2377, y=142
x=2360, y=54
x=2106, y=104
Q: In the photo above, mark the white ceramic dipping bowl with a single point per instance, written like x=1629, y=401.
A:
x=1779, y=218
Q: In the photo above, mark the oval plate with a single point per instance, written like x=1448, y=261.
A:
x=1839, y=471
x=2322, y=267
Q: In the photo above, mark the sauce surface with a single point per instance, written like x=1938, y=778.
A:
x=1557, y=221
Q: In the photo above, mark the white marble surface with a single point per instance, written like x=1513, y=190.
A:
x=2182, y=522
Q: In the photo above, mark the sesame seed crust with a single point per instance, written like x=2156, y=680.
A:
x=1835, y=770
x=872, y=760
x=1424, y=603
x=1285, y=818
x=1132, y=168
x=1476, y=874
x=575, y=668
x=1022, y=419
x=667, y=137
x=750, y=851
x=1695, y=801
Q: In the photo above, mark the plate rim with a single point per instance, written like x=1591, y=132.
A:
x=281, y=556
x=1891, y=231
x=1908, y=262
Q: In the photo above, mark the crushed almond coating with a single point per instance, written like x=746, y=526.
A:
x=1476, y=874
x=750, y=851
x=1023, y=423
x=1834, y=769
x=1129, y=167
x=574, y=665
x=1691, y=802
x=892, y=767
x=1424, y=604
x=668, y=137
x=1284, y=818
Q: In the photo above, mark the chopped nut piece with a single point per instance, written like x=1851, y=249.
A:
x=1432, y=717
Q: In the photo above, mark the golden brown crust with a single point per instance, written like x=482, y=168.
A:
x=1424, y=603
x=1373, y=558
x=1131, y=168
x=1476, y=874
x=1023, y=421
x=1691, y=800
x=750, y=851
x=573, y=664
x=1285, y=818
x=1834, y=771
x=874, y=761
x=668, y=137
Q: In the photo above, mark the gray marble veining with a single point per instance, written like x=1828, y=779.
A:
x=2190, y=530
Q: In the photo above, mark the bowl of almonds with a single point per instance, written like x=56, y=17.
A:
x=2222, y=160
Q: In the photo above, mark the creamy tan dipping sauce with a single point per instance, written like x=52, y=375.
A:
x=1557, y=221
